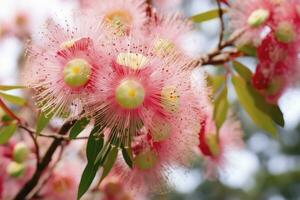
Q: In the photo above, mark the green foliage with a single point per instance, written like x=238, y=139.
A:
x=19, y=101
x=78, y=127
x=206, y=16
x=11, y=87
x=221, y=106
x=94, y=146
x=42, y=121
x=246, y=99
x=271, y=110
x=6, y=132
x=127, y=156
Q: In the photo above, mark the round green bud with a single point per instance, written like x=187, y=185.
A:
x=258, y=17
x=21, y=152
x=160, y=130
x=130, y=94
x=145, y=160
x=285, y=32
x=15, y=169
x=77, y=72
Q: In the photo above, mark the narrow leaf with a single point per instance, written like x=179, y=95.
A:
x=87, y=178
x=216, y=81
x=259, y=117
x=94, y=146
x=127, y=156
x=42, y=121
x=205, y=16
x=109, y=161
x=78, y=127
x=221, y=108
x=13, y=99
x=242, y=70
x=11, y=87
x=7, y=132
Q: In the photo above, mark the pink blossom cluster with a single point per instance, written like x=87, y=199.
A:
x=271, y=26
x=123, y=66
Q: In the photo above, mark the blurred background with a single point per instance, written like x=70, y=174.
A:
x=267, y=168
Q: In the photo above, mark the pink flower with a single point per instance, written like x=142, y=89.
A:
x=124, y=16
x=252, y=16
x=278, y=67
x=63, y=182
x=215, y=145
x=148, y=104
x=166, y=5
x=167, y=33
x=63, y=64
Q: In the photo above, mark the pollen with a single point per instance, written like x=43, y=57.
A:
x=132, y=60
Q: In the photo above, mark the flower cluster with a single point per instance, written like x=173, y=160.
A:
x=127, y=71
x=272, y=27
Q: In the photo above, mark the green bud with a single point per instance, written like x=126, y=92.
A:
x=130, y=94
x=285, y=32
x=145, y=160
x=258, y=17
x=15, y=169
x=21, y=152
x=77, y=73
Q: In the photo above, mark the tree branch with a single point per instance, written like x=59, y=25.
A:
x=30, y=185
x=222, y=24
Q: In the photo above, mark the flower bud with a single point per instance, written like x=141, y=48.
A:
x=77, y=73
x=258, y=17
x=21, y=152
x=130, y=94
x=15, y=169
x=285, y=32
x=145, y=160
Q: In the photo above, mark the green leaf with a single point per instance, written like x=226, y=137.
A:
x=127, y=156
x=216, y=81
x=248, y=49
x=42, y=121
x=87, y=178
x=271, y=110
x=6, y=132
x=242, y=70
x=11, y=87
x=260, y=118
x=94, y=146
x=205, y=16
x=13, y=99
x=221, y=108
x=109, y=161
x=78, y=127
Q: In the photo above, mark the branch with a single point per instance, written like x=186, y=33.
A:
x=8, y=111
x=222, y=24
x=30, y=185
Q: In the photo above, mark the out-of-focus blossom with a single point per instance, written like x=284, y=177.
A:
x=124, y=16
x=63, y=182
x=166, y=5
x=251, y=16
x=167, y=33
x=278, y=67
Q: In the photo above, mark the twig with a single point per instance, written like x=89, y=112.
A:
x=36, y=145
x=39, y=187
x=8, y=111
x=222, y=24
x=31, y=184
